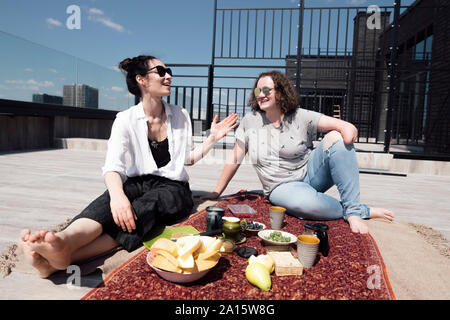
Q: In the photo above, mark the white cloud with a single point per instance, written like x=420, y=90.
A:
x=117, y=89
x=356, y=2
x=111, y=24
x=97, y=15
x=28, y=70
x=107, y=96
x=53, y=22
x=95, y=11
x=30, y=84
x=114, y=68
x=53, y=70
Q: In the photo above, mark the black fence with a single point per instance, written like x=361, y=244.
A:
x=385, y=69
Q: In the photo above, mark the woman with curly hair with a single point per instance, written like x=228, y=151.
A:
x=278, y=135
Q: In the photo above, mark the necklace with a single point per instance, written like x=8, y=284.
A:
x=155, y=144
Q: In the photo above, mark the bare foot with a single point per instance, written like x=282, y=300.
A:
x=357, y=225
x=52, y=248
x=32, y=257
x=381, y=213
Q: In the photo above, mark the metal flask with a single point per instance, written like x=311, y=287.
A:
x=320, y=231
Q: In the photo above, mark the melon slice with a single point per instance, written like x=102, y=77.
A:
x=166, y=245
x=206, y=242
x=166, y=255
x=212, y=249
x=214, y=246
x=162, y=263
x=188, y=245
x=186, y=261
x=204, y=264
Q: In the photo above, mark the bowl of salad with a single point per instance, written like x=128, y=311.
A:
x=277, y=237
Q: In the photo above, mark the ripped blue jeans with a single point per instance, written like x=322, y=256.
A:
x=306, y=199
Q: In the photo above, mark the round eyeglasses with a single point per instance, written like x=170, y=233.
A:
x=264, y=90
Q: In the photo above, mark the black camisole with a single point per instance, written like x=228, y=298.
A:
x=160, y=152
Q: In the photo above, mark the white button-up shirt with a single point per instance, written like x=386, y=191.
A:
x=129, y=151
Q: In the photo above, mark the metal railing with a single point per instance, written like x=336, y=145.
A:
x=377, y=63
x=384, y=68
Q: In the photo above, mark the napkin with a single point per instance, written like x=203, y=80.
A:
x=166, y=232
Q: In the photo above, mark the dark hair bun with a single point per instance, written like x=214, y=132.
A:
x=124, y=65
x=133, y=67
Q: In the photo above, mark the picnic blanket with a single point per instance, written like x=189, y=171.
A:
x=353, y=269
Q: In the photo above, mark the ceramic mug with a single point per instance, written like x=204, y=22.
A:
x=276, y=215
x=232, y=228
x=307, y=248
x=214, y=215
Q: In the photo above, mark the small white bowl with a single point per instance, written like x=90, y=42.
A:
x=254, y=230
x=175, y=276
x=265, y=233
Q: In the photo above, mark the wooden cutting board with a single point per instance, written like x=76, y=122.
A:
x=286, y=264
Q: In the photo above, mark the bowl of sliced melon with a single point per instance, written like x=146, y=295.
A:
x=186, y=260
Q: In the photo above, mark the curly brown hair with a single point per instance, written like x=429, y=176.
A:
x=285, y=95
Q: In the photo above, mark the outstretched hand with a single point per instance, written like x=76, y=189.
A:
x=219, y=130
x=211, y=196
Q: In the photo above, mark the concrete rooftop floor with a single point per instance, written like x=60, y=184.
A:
x=40, y=189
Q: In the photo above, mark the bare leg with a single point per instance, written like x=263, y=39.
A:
x=81, y=240
x=102, y=244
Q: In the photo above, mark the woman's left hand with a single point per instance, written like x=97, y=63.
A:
x=219, y=130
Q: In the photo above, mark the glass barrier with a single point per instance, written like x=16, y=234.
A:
x=110, y=85
x=34, y=73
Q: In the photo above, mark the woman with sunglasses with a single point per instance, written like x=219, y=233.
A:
x=144, y=173
x=279, y=137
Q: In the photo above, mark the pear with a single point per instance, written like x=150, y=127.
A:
x=264, y=259
x=258, y=275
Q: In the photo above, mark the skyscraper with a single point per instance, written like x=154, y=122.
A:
x=80, y=95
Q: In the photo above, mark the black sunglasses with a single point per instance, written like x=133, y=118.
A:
x=161, y=71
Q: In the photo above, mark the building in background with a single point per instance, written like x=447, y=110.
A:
x=81, y=96
x=46, y=98
x=324, y=81
x=422, y=92
x=344, y=79
x=418, y=96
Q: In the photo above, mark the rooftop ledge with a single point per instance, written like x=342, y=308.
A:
x=370, y=159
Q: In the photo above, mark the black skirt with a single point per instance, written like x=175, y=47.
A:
x=155, y=200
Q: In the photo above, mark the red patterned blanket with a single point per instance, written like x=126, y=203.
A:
x=353, y=269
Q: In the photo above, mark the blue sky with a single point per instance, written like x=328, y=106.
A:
x=176, y=31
